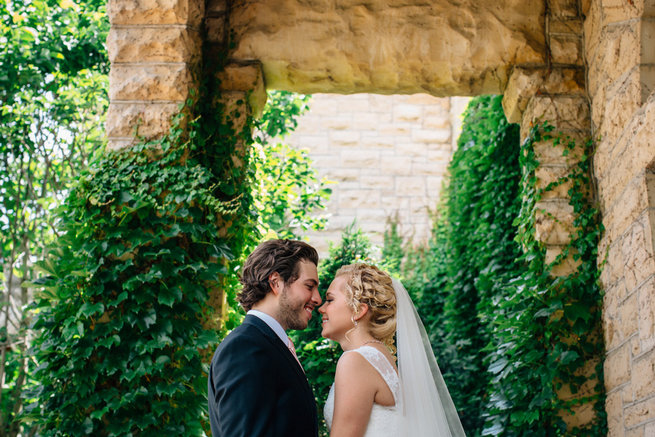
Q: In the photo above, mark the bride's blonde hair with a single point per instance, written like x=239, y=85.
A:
x=366, y=284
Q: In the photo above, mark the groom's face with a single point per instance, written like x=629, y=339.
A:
x=299, y=298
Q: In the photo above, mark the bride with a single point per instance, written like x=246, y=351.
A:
x=364, y=308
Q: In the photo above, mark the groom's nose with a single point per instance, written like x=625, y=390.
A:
x=316, y=297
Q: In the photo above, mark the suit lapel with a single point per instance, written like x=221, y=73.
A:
x=272, y=337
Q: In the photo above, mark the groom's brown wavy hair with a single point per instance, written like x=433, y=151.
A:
x=281, y=256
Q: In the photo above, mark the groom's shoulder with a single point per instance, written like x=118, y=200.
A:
x=250, y=332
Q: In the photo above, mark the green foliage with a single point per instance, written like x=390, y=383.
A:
x=509, y=337
x=53, y=97
x=472, y=239
x=547, y=330
x=124, y=315
x=287, y=191
x=318, y=355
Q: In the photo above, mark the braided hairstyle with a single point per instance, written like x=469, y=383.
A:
x=366, y=284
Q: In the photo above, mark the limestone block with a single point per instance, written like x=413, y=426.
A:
x=566, y=113
x=377, y=182
x=549, y=152
x=377, y=141
x=592, y=31
x=346, y=138
x=565, y=25
x=153, y=44
x=395, y=203
x=635, y=432
x=247, y=78
x=613, y=333
x=420, y=47
x=525, y=83
x=372, y=216
x=189, y=12
x=618, y=53
x=563, y=8
x=360, y=104
x=566, y=49
x=553, y=174
x=410, y=186
x=637, y=250
x=147, y=120
x=643, y=377
x=395, y=164
x=614, y=266
x=647, y=79
x=615, y=11
x=341, y=175
x=617, y=367
x=640, y=413
x=584, y=413
x=647, y=316
x=431, y=135
x=415, y=150
x=434, y=184
x=566, y=266
x=625, y=212
x=623, y=99
x=554, y=222
x=340, y=122
x=650, y=430
x=614, y=408
x=407, y=113
x=359, y=199
x=627, y=395
x=396, y=130
x=365, y=119
x=423, y=168
x=167, y=82
x=325, y=163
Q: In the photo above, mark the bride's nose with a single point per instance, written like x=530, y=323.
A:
x=320, y=309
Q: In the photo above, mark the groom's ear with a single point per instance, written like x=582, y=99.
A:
x=275, y=282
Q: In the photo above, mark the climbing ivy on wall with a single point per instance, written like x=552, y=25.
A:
x=125, y=317
x=510, y=338
x=546, y=349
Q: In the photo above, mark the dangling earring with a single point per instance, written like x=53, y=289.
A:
x=352, y=319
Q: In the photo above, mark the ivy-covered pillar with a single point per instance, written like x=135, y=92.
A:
x=551, y=104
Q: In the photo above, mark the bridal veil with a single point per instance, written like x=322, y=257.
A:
x=427, y=408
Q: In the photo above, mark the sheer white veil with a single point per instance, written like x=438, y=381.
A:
x=428, y=410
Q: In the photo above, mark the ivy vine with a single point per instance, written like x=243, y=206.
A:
x=126, y=317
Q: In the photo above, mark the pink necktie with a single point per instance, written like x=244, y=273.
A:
x=292, y=348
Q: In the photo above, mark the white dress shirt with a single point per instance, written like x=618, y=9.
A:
x=273, y=324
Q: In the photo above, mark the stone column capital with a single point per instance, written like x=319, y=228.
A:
x=527, y=82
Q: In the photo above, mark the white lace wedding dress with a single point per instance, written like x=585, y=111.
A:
x=384, y=421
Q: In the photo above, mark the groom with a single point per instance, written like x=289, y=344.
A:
x=257, y=386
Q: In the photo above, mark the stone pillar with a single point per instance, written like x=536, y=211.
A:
x=154, y=49
x=555, y=93
x=620, y=51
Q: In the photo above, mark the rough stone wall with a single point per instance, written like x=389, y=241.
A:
x=445, y=48
x=387, y=155
x=154, y=49
x=620, y=52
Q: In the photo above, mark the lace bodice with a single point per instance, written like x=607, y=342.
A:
x=384, y=420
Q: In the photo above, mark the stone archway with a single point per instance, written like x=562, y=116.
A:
x=584, y=65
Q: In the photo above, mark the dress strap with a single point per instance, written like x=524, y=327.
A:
x=380, y=363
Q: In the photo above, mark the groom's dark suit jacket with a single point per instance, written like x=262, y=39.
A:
x=256, y=387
